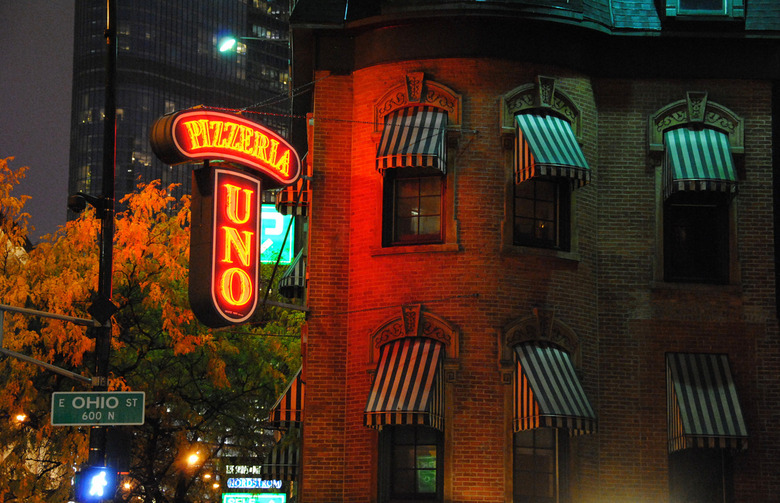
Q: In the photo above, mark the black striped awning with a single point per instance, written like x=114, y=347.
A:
x=288, y=409
x=282, y=462
x=408, y=388
x=295, y=199
x=702, y=403
x=548, y=392
x=414, y=137
x=698, y=160
x=292, y=284
x=545, y=146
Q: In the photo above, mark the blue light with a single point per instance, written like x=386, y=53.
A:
x=95, y=483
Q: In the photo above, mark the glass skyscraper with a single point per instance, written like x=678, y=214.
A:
x=168, y=60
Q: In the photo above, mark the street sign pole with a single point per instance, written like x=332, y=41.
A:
x=102, y=309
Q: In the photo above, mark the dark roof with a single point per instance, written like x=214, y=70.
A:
x=762, y=17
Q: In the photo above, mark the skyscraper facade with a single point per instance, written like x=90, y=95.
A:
x=168, y=59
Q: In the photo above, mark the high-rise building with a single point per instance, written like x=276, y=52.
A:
x=168, y=59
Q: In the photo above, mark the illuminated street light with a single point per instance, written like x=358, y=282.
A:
x=193, y=459
x=227, y=44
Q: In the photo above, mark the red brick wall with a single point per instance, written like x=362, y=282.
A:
x=623, y=320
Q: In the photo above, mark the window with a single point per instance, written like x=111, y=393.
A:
x=413, y=208
x=411, y=464
x=539, y=466
x=541, y=213
x=700, y=476
x=702, y=6
x=706, y=9
x=696, y=238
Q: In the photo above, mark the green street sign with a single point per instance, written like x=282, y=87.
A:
x=254, y=498
x=97, y=408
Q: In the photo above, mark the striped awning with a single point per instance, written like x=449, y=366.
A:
x=414, y=137
x=698, y=160
x=548, y=392
x=702, y=403
x=292, y=284
x=295, y=199
x=408, y=388
x=282, y=462
x=545, y=146
x=288, y=409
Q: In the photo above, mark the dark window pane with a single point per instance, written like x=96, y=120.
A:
x=417, y=210
x=537, y=465
x=541, y=216
x=430, y=205
x=702, y=5
x=403, y=457
x=696, y=238
x=404, y=482
x=430, y=186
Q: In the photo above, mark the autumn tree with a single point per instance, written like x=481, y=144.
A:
x=207, y=391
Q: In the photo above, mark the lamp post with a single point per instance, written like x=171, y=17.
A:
x=102, y=308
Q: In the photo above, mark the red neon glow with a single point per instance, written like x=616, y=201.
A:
x=209, y=134
x=235, y=244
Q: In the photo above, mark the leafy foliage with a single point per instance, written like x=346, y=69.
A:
x=206, y=390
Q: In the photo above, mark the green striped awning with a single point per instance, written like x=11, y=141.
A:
x=545, y=146
x=548, y=393
x=702, y=403
x=292, y=284
x=282, y=462
x=414, y=137
x=698, y=160
x=288, y=409
x=408, y=388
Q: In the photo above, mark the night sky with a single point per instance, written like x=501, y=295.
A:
x=36, y=53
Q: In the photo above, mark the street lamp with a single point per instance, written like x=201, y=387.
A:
x=229, y=42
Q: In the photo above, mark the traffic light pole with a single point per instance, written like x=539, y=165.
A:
x=102, y=308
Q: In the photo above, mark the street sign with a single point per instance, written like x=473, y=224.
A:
x=273, y=229
x=97, y=408
x=254, y=498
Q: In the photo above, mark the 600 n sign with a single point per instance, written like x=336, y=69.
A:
x=97, y=408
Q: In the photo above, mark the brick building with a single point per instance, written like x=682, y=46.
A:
x=541, y=252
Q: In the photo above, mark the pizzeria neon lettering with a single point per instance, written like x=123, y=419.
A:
x=201, y=133
x=213, y=135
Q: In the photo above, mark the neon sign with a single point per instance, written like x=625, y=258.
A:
x=225, y=233
x=224, y=246
x=201, y=133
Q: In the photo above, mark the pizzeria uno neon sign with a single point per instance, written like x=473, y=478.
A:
x=226, y=204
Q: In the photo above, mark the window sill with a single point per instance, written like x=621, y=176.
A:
x=420, y=248
x=734, y=288
x=530, y=251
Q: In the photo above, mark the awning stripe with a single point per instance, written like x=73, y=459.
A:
x=294, y=199
x=698, y=160
x=288, y=409
x=546, y=146
x=414, y=137
x=292, y=284
x=548, y=392
x=407, y=388
x=702, y=402
x=282, y=462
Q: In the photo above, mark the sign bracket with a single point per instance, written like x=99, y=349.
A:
x=28, y=359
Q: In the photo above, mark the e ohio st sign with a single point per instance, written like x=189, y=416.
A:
x=97, y=408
